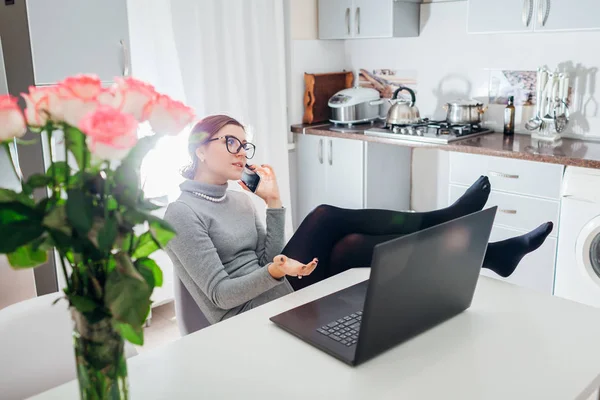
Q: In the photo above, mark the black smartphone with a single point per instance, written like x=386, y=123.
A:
x=250, y=178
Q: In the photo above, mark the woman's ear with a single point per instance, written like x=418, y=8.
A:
x=200, y=154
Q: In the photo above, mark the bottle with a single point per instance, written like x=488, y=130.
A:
x=509, y=117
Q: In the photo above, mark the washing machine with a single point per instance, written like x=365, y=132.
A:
x=577, y=275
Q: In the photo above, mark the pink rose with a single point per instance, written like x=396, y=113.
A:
x=134, y=97
x=170, y=116
x=42, y=104
x=110, y=133
x=81, y=95
x=12, y=123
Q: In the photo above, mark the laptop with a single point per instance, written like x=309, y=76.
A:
x=417, y=282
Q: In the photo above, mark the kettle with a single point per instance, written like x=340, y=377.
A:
x=403, y=112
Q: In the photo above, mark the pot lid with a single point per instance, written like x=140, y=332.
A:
x=353, y=96
x=465, y=102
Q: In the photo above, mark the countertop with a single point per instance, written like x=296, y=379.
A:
x=573, y=152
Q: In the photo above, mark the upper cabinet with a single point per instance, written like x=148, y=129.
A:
x=365, y=19
x=567, y=15
x=71, y=37
x=494, y=16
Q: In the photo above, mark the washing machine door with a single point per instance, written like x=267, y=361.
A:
x=587, y=250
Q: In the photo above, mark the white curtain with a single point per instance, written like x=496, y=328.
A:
x=220, y=57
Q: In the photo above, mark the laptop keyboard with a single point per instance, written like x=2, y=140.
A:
x=344, y=330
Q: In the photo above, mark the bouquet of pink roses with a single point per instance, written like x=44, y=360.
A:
x=94, y=202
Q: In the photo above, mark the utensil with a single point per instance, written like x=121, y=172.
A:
x=462, y=112
x=542, y=79
x=403, y=112
x=548, y=95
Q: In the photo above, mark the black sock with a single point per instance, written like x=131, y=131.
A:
x=474, y=198
x=503, y=257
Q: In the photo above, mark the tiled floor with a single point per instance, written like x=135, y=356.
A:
x=162, y=330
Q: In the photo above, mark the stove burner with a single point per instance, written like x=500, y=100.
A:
x=436, y=128
x=429, y=131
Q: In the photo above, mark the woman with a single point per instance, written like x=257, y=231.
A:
x=230, y=263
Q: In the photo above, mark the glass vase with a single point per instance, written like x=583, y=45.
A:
x=100, y=359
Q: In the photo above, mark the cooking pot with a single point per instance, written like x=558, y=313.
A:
x=464, y=112
x=403, y=112
x=355, y=105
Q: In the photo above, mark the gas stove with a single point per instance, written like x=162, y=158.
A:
x=429, y=132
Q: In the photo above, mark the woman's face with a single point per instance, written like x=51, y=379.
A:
x=220, y=162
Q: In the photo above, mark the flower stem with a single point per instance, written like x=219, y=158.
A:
x=49, y=136
x=64, y=269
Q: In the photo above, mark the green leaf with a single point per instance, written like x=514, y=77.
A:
x=129, y=333
x=146, y=246
x=107, y=234
x=127, y=294
x=39, y=180
x=80, y=211
x=59, y=170
x=16, y=234
x=7, y=196
x=112, y=204
x=43, y=243
x=57, y=220
x=27, y=257
x=150, y=271
x=162, y=231
x=15, y=211
x=83, y=304
x=75, y=141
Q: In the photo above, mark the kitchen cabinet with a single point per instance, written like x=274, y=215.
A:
x=527, y=194
x=70, y=37
x=330, y=171
x=493, y=16
x=351, y=174
x=363, y=19
x=567, y=15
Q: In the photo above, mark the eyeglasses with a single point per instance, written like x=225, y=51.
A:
x=234, y=145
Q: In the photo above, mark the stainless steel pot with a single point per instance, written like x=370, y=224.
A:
x=355, y=105
x=403, y=112
x=464, y=112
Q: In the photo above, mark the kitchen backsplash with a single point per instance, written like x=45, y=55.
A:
x=453, y=64
x=447, y=63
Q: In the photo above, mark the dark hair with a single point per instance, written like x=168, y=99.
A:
x=204, y=130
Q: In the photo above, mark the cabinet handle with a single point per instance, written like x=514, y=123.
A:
x=126, y=60
x=320, y=151
x=503, y=175
x=541, y=12
x=330, y=155
x=357, y=20
x=547, y=12
x=348, y=19
x=527, y=12
x=513, y=212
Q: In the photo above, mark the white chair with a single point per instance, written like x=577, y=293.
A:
x=36, y=347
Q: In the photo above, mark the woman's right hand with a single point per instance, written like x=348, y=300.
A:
x=283, y=266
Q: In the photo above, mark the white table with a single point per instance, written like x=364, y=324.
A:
x=511, y=344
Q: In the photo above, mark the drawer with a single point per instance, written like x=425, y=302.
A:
x=508, y=175
x=516, y=211
x=536, y=270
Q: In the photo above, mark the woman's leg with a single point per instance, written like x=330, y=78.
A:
x=356, y=250
x=326, y=225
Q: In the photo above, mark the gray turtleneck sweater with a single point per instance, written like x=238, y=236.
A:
x=221, y=250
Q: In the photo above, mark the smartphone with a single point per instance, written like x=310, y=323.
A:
x=250, y=178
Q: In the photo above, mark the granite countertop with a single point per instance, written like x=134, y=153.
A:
x=574, y=152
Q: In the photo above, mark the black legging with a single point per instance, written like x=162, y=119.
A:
x=342, y=239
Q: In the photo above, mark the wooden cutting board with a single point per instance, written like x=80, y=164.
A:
x=319, y=88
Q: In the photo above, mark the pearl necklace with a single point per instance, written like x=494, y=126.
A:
x=209, y=198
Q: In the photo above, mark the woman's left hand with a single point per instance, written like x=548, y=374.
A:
x=267, y=189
